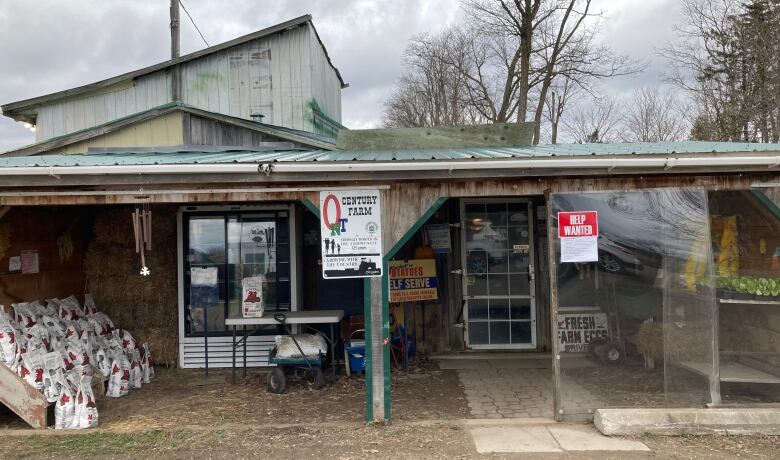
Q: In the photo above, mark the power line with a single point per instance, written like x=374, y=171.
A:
x=193, y=23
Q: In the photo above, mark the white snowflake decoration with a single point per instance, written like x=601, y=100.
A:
x=145, y=271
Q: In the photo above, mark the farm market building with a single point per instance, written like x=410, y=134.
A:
x=683, y=292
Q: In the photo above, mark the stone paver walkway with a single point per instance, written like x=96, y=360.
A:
x=508, y=393
x=514, y=388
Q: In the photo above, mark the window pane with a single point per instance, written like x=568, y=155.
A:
x=477, y=262
x=499, y=309
x=477, y=285
x=518, y=235
x=497, y=262
x=496, y=214
x=499, y=332
x=518, y=214
x=207, y=241
x=478, y=309
x=519, y=284
x=478, y=333
x=521, y=332
x=498, y=285
x=519, y=260
x=521, y=308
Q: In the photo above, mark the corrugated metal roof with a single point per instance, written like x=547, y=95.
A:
x=170, y=155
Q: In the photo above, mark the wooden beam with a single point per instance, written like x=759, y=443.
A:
x=4, y=210
x=24, y=400
x=492, y=135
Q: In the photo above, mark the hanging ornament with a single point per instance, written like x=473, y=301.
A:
x=142, y=228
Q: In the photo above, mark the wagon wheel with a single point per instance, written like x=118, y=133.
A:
x=611, y=354
x=592, y=346
x=277, y=381
x=313, y=378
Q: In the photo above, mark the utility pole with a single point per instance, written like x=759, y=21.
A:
x=175, y=70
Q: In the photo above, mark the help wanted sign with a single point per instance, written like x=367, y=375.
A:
x=579, y=233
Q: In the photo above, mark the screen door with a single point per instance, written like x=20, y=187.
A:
x=497, y=242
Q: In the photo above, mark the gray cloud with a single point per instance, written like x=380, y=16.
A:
x=50, y=45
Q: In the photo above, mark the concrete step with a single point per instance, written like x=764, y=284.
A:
x=688, y=421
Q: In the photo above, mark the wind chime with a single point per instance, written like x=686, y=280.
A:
x=142, y=228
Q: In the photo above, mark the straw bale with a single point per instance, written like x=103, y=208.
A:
x=163, y=344
x=650, y=340
x=145, y=306
x=689, y=342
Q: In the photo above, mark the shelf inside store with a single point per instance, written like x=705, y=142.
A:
x=748, y=302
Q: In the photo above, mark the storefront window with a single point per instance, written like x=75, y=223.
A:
x=233, y=246
x=636, y=310
x=746, y=254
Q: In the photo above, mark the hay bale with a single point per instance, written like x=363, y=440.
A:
x=145, y=306
x=163, y=344
x=678, y=343
x=650, y=340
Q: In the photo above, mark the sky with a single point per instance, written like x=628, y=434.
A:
x=52, y=45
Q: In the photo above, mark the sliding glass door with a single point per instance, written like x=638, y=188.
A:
x=231, y=247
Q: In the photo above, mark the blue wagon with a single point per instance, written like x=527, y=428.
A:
x=309, y=366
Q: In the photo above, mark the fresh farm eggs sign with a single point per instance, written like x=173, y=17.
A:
x=351, y=234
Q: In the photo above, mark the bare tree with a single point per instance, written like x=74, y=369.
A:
x=431, y=92
x=597, y=120
x=513, y=53
x=561, y=94
x=653, y=115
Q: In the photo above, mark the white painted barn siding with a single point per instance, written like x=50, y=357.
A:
x=277, y=76
x=87, y=110
x=322, y=87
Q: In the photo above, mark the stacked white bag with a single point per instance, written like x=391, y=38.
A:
x=53, y=346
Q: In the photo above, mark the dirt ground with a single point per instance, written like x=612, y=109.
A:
x=634, y=386
x=184, y=397
x=183, y=415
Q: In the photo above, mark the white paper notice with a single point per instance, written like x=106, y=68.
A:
x=582, y=249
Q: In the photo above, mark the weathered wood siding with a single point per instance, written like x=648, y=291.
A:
x=323, y=88
x=204, y=131
x=163, y=131
x=91, y=109
x=59, y=236
x=279, y=76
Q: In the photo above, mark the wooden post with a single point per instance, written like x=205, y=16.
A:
x=176, y=70
x=553, y=271
x=376, y=342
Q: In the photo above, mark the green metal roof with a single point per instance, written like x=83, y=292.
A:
x=207, y=155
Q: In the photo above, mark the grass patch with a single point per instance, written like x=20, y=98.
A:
x=93, y=444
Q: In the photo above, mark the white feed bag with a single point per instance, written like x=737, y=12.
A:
x=311, y=345
x=252, y=305
x=9, y=351
x=85, y=413
x=65, y=409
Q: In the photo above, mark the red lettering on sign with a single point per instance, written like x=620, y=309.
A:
x=325, y=207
